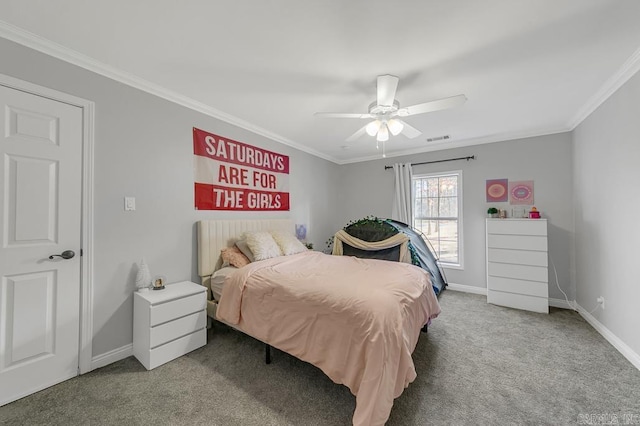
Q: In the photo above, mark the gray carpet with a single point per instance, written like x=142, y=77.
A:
x=479, y=364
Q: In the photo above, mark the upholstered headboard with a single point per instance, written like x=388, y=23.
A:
x=214, y=235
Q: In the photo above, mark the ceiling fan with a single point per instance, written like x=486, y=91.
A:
x=386, y=112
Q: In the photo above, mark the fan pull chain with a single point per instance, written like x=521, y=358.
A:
x=384, y=154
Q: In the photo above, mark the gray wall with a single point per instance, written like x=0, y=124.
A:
x=143, y=148
x=367, y=189
x=606, y=150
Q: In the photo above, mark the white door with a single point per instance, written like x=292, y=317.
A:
x=40, y=214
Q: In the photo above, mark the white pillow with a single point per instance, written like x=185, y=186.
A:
x=262, y=245
x=288, y=243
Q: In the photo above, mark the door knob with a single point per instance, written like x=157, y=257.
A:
x=67, y=254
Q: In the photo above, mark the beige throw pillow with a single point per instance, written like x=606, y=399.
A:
x=262, y=245
x=288, y=243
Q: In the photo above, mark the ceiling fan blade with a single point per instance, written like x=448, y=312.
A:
x=436, y=105
x=341, y=115
x=357, y=134
x=408, y=130
x=387, y=85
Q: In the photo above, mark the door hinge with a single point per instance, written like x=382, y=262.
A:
x=81, y=252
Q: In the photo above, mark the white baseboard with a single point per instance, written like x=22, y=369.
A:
x=556, y=303
x=112, y=356
x=622, y=347
x=467, y=288
x=561, y=303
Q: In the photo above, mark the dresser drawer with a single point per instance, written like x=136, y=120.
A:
x=519, y=272
x=176, y=348
x=517, y=227
x=510, y=285
x=519, y=301
x=518, y=257
x=173, y=329
x=177, y=308
x=517, y=242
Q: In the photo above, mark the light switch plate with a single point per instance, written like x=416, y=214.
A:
x=129, y=203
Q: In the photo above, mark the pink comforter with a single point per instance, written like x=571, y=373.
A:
x=358, y=320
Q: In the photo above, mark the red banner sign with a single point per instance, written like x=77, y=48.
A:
x=231, y=175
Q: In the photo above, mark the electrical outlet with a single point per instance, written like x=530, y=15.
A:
x=129, y=203
x=600, y=300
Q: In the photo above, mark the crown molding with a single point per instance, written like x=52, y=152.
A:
x=48, y=47
x=51, y=48
x=451, y=144
x=626, y=71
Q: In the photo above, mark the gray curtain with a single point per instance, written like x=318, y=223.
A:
x=403, y=194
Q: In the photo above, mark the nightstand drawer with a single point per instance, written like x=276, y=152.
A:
x=177, y=328
x=177, y=308
x=178, y=347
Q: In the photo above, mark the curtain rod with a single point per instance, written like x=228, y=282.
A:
x=471, y=157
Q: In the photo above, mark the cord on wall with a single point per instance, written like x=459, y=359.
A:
x=572, y=305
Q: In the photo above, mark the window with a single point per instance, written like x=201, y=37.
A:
x=437, y=213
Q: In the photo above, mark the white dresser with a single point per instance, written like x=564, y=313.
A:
x=169, y=323
x=517, y=274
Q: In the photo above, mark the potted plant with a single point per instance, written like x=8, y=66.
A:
x=492, y=212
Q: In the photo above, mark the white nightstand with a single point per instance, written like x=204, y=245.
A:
x=169, y=323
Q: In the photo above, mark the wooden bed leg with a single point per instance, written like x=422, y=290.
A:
x=267, y=353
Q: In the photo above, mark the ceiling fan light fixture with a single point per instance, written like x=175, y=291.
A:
x=373, y=127
x=395, y=127
x=383, y=133
x=385, y=116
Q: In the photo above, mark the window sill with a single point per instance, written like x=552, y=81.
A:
x=452, y=266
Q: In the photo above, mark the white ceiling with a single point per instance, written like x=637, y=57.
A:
x=527, y=67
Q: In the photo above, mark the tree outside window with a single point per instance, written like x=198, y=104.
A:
x=437, y=213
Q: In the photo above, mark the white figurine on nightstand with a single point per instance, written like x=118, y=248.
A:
x=143, y=277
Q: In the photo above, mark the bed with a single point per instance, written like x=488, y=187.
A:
x=358, y=320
